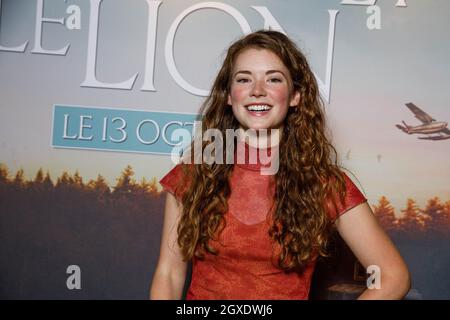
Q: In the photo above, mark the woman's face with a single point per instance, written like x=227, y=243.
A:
x=259, y=93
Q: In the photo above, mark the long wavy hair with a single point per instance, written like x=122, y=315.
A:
x=306, y=178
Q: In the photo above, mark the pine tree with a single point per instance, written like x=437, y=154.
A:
x=153, y=188
x=48, y=183
x=385, y=214
x=77, y=181
x=148, y=187
x=126, y=183
x=447, y=211
x=99, y=185
x=3, y=174
x=411, y=221
x=63, y=181
x=439, y=221
x=39, y=179
x=19, y=179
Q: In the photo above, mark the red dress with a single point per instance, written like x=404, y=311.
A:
x=244, y=267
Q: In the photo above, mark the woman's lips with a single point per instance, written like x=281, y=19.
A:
x=258, y=113
x=259, y=109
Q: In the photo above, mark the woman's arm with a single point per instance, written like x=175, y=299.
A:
x=371, y=245
x=170, y=274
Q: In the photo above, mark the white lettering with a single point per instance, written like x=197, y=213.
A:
x=74, y=281
x=373, y=21
x=38, y=34
x=325, y=89
x=20, y=48
x=374, y=279
x=269, y=21
x=184, y=137
x=65, y=135
x=164, y=130
x=193, y=310
x=138, y=131
x=359, y=2
x=170, y=60
x=153, y=7
x=213, y=152
x=90, y=79
x=84, y=126
x=104, y=131
x=124, y=133
x=73, y=22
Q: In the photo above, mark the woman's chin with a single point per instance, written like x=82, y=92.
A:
x=256, y=126
x=262, y=127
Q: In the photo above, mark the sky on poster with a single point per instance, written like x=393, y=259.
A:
x=375, y=73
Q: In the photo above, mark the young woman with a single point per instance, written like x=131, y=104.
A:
x=257, y=236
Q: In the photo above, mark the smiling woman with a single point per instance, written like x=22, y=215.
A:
x=260, y=92
x=255, y=236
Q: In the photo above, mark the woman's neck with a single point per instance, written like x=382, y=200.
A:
x=261, y=139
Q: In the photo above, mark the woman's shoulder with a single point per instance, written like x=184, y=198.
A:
x=352, y=197
x=178, y=179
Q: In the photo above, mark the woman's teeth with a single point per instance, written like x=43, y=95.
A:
x=259, y=107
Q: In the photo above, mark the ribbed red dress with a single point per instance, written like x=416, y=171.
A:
x=245, y=266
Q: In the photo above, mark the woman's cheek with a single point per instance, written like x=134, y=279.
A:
x=238, y=94
x=281, y=95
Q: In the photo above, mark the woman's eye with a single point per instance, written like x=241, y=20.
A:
x=275, y=80
x=242, y=80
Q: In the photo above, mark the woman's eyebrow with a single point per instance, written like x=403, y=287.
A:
x=267, y=72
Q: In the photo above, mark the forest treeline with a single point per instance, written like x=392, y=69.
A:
x=113, y=234
x=433, y=218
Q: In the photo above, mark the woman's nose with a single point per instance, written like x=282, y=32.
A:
x=258, y=89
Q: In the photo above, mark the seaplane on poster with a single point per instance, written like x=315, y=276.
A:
x=434, y=130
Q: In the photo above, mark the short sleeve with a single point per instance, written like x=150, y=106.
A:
x=352, y=198
x=175, y=181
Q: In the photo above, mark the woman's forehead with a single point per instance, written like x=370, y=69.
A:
x=254, y=59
